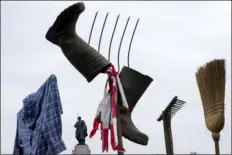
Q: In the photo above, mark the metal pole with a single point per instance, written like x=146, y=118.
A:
x=121, y=43
x=132, y=37
x=103, y=26
x=112, y=36
x=91, y=31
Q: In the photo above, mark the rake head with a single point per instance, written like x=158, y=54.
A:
x=174, y=106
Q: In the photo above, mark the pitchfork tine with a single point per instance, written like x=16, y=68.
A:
x=111, y=40
x=128, y=57
x=103, y=26
x=90, y=35
x=121, y=43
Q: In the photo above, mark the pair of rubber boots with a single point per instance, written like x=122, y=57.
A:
x=90, y=63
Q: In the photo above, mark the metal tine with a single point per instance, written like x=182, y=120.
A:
x=171, y=110
x=90, y=35
x=132, y=37
x=111, y=40
x=173, y=113
x=174, y=106
x=121, y=42
x=174, y=110
x=180, y=101
x=103, y=26
x=178, y=105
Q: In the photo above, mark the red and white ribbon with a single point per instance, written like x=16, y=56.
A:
x=107, y=111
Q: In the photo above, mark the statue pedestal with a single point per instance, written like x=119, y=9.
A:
x=81, y=149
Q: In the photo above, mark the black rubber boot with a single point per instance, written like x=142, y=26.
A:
x=134, y=85
x=82, y=56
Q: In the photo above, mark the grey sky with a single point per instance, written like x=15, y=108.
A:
x=172, y=40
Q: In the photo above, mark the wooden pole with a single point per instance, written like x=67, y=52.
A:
x=217, y=150
x=170, y=136
x=120, y=141
x=216, y=138
x=172, y=108
x=167, y=134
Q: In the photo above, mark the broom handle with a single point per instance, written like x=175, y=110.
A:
x=217, y=150
x=216, y=138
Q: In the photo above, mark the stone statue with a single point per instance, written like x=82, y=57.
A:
x=81, y=131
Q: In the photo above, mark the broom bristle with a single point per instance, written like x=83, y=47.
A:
x=211, y=83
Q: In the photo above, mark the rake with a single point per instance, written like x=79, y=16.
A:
x=174, y=106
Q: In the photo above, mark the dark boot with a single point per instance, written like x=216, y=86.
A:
x=134, y=85
x=82, y=56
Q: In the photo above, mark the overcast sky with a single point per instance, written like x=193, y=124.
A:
x=172, y=40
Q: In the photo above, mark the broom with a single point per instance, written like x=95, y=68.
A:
x=211, y=83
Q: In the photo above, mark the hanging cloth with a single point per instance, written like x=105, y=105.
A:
x=106, y=115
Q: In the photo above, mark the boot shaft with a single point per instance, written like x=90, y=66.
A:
x=134, y=85
x=82, y=56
